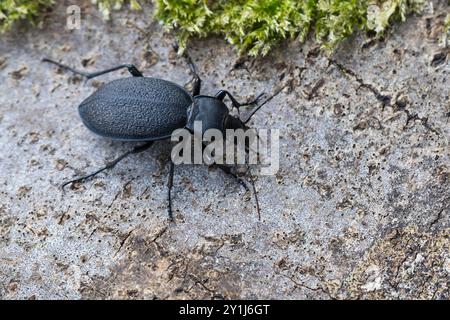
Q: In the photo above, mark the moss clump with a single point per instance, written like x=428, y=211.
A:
x=188, y=17
x=106, y=6
x=446, y=34
x=254, y=26
x=14, y=10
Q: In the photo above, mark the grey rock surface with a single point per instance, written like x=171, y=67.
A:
x=359, y=208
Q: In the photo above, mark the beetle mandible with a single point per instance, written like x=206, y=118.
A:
x=148, y=109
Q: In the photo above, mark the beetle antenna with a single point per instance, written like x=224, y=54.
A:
x=263, y=103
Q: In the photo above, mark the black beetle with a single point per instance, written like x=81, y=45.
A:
x=147, y=109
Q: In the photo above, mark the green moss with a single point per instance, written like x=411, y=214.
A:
x=106, y=6
x=14, y=10
x=252, y=26
x=446, y=34
x=255, y=26
x=188, y=17
x=336, y=20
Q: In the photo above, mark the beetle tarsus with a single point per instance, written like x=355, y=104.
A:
x=169, y=191
x=255, y=194
x=111, y=164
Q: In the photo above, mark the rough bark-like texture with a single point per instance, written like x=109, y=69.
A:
x=359, y=209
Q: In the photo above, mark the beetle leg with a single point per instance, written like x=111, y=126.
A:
x=131, y=68
x=196, y=81
x=255, y=194
x=227, y=170
x=169, y=191
x=223, y=93
x=111, y=164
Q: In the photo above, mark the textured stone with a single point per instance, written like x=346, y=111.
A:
x=359, y=209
